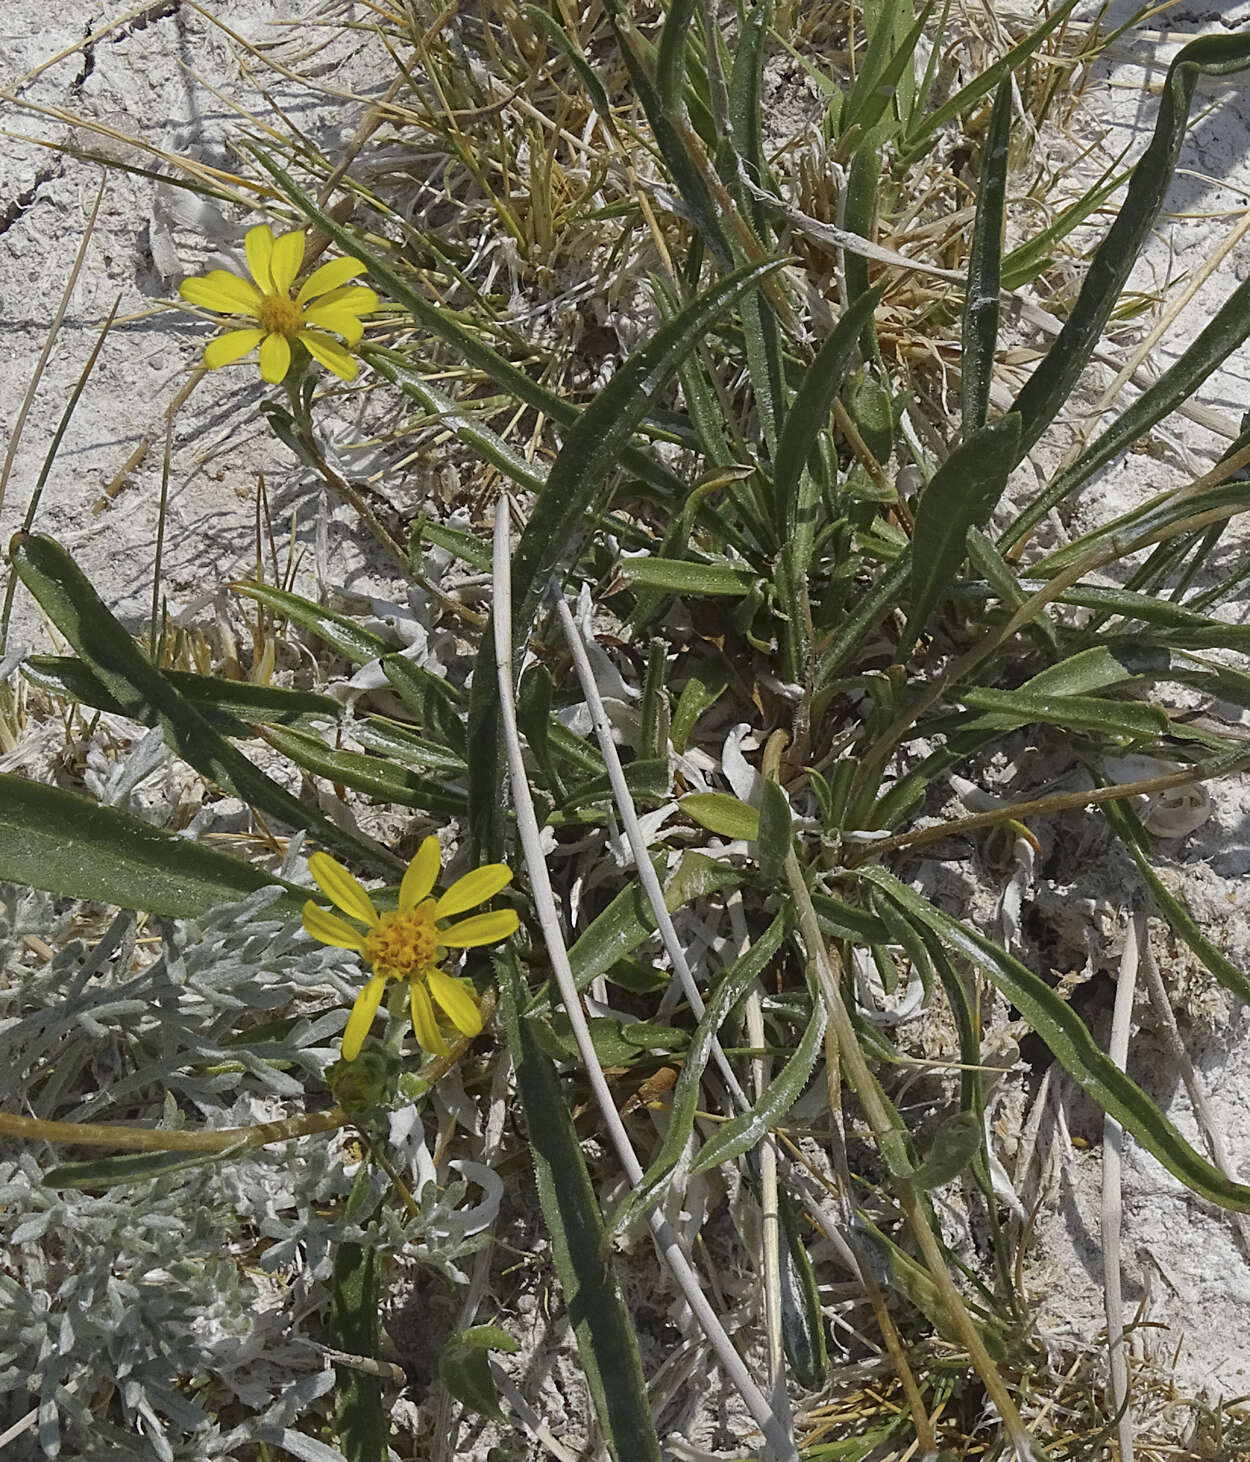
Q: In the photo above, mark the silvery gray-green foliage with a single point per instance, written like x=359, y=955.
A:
x=135, y=1316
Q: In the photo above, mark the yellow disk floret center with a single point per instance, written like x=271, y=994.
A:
x=403, y=945
x=280, y=316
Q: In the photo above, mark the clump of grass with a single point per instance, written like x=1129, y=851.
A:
x=750, y=401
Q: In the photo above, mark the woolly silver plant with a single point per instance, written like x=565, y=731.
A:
x=133, y=1318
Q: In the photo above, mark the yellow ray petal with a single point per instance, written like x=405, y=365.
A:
x=422, y=871
x=358, y=298
x=361, y=1018
x=424, y=1024
x=460, y=1007
x=221, y=290
x=275, y=358
x=480, y=929
x=474, y=888
x=327, y=277
x=230, y=347
x=330, y=929
x=342, y=889
x=330, y=353
x=258, y=242
x=331, y=317
x=288, y=255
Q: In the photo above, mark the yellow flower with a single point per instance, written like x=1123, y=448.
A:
x=325, y=299
x=408, y=944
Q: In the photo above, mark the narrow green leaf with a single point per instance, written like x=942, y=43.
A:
x=808, y=417
x=411, y=379
x=674, y=140
x=227, y=705
x=466, y=546
x=744, y=149
x=872, y=606
x=1122, y=534
x=1074, y=712
x=722, y=814
x=956, y=1142
x=580, y=1246
x=670, y=66
x=802, y=1316
x=401, y=743
x=381, y=780
x=686, y=576
x=872, y=67
x=61, y=843
x=336, y=630
x=775, y=831
x=962, y=494
x=1072, y=1045
x=1052, y=381
x=748, y=1128
x=145, y=695
x=125, y=1168
x=590, y=82
x=592, y=449
x=464, y=1368
x=620, y=928
x=980, y=324
x=685, y=1102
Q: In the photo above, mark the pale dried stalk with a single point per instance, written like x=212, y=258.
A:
x=1112, y=1197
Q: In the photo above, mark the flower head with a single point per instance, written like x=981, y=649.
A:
x=410, y=943
x=325, y=300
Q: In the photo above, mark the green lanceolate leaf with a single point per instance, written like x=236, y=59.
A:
x=775, y=831
x=401, y=743
x=724, y=815
x=379, y=778
x=1129, y=830
x=686, y=576
x=464, y=1368
x=68, y=846
x=145, y=695
x=670, y=64
x=1074, y=712
x=580, y=1247
x=802, y=1318
x=336, y=630
x=1069, y=1039
x=808, y=417
x=956, y=1142
x=733, y=983
x=886, y=592
x=980, y=325
x=748, y=1128
x=227, y=705
x=1051, y=383
x=962, y=494
x=130, y=1167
